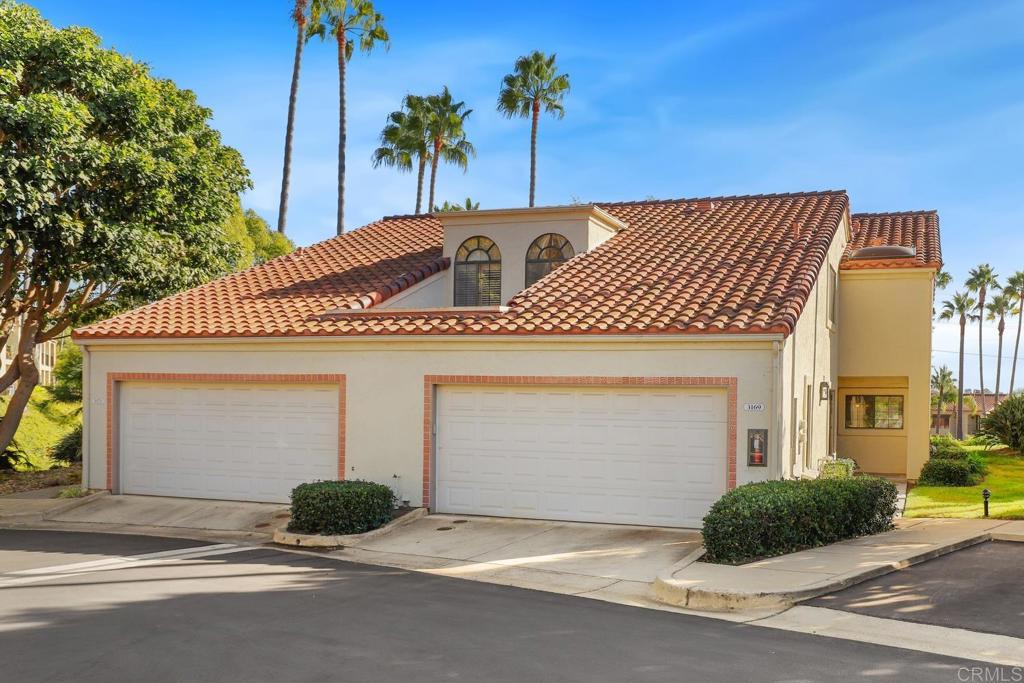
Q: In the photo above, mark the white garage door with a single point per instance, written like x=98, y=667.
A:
x=226, y=441
x=623, y=455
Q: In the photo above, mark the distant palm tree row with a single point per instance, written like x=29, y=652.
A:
x=428, y=129
x=974, y=305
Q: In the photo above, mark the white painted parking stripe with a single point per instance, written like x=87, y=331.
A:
x=126, y=562
x=60, y=568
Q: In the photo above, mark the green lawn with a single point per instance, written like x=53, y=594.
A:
x=1005, y=480
x=41, y=427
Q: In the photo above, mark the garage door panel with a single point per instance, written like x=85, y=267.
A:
x=237, y=442
x=627, y=455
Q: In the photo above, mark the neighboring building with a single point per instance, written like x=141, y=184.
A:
x=45, y=355
x=621, y=362
x=975, y=405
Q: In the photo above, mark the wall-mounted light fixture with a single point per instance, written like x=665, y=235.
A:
x=824, y=391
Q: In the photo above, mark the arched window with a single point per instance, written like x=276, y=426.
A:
x=545, y=254
x=478, y=273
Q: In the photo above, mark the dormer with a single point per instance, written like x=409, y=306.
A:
x=496, y=253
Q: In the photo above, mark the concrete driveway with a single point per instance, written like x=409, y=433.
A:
x=124, y=512
x=598, y=560
x=103, y=608
x=977, y=588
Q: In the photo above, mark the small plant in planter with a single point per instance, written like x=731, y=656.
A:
x=340, y=507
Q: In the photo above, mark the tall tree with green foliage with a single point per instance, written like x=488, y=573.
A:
x=256, y=241
x=404, y=142
x=996, y=311
x=1015, y=290
x=980, y=281
x=446, y=130
x=300, y=19
x=350, y=23
x=962, y=307
x=114, y=187
x=535, y=84
x=943, y=390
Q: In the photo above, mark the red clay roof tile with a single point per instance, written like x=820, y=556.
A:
x=918, y=230
x=724, y=264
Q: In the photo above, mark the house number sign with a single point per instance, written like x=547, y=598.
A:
x=753, y=407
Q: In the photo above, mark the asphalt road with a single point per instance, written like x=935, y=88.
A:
x=267, y=615
x=978, y=588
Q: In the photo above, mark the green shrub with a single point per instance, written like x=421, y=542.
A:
x=944, y=446
x=69, y=448
x=950, y=471
x=340, y=507
x=1004, y=424
x=777, y=517
x=840, y=468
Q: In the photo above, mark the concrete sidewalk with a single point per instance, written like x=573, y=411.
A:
x=780, y=582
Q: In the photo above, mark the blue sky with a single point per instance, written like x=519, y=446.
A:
x=910, y=105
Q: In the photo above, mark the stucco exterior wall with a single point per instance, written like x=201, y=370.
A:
x=385, y=380
x=886, y=318
x=811, y=356
x=514, y=234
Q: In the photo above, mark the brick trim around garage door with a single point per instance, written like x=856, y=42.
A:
x=431, y=381
x=209, y=378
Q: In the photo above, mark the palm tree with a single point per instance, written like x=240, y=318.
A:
x=943, y=389
x=535, y=83
x=943, y=279
x=962, y=307
x=300, y=19
x=1015, y=289
x=468, y=205
x=997, y=309
x=445, y=120
x=349, y=22
x=980, y=281
x=404, y=142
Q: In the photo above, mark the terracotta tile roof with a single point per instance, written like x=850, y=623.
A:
x=918, y=230
x=725, y=264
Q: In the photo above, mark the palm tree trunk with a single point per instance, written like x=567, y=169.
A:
x=999, y=360
x=433, y=174
x=293, y=96
x=419, y=182
x=1016, y=345
x=960, y=382
x=342, y=131
x=533, y=149
x=981, y=349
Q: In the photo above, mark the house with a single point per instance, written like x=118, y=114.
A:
x=617, y=362
x=976, y=404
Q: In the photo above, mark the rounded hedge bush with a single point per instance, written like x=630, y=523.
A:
x=777, y=517
x=952, y=471
x=340, y=507
x=1004, y=424
x=946, y=447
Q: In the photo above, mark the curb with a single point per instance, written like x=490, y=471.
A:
x=75, y=503
x=668, y=590
x=285, y=537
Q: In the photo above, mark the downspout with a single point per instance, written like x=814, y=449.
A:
x=776, y=470
x=86, y=410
